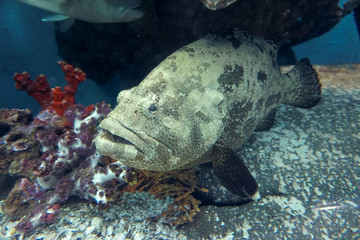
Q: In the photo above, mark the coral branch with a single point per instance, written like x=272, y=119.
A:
x=54, y=99
x=62, y=100
x=39, y=89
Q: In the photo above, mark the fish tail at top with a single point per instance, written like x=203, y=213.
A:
x=307, y=92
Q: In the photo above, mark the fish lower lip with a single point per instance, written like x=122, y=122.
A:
x=118, y=139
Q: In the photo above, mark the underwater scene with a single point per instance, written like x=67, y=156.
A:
x=179, y=119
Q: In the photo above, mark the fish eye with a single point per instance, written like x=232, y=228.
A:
x=153, y=108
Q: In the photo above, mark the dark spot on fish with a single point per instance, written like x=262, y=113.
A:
x=195, y=136
x=239, y=125
x=231, y=77
x=234, y=42
x=203, y=67
x=158, y=86
x=170, y=108
x=172, y=57
x=191, y=55
x=193, y=82
x=273, y=100
x=202, y=116
x=172, y=66
x=166, y=137
x=262, y=76
x=187, y=49
x=259, y=104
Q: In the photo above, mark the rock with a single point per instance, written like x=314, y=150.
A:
x=96, y=223
x=134, y=48
x=18, y=141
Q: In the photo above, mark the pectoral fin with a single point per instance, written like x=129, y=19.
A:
x=64, y=23
x=266, y=123
x=55, y=18
x=233, y=174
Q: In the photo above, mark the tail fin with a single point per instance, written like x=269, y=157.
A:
x=307, y=86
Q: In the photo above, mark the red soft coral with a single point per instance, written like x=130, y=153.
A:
x=54, y=99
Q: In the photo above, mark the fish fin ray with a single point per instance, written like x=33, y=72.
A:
x=233, y=174
x=55, y=18
x=267, y=122
x=308, y=92
x=65, y=25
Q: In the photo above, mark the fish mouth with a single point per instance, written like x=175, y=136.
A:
x=134, y=148
x=119, y=142
x=117, y=139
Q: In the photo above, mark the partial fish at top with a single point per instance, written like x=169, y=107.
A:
x=217, y=4
x=94, y=11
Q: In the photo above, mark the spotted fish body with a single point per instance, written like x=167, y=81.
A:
x=201, y=104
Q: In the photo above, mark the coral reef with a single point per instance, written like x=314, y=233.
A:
x=16, y=140
x=53, y=153
x=53, y=156
x=65, y=165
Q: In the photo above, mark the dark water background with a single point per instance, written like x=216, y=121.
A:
x=27, y=44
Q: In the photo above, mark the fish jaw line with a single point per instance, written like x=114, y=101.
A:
x=123, y=152
x=136, y=149
x=128, y=154
x=116, y=139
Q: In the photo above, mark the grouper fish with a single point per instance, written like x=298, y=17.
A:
x=201, y=104
x=94, y=11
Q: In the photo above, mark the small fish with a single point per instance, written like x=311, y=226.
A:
x=201, y=104
x=217, y=4
x=94, y=11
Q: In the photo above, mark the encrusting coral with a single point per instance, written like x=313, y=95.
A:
x=53, y=155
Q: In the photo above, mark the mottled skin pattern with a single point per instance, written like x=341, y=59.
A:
x=213, y=91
